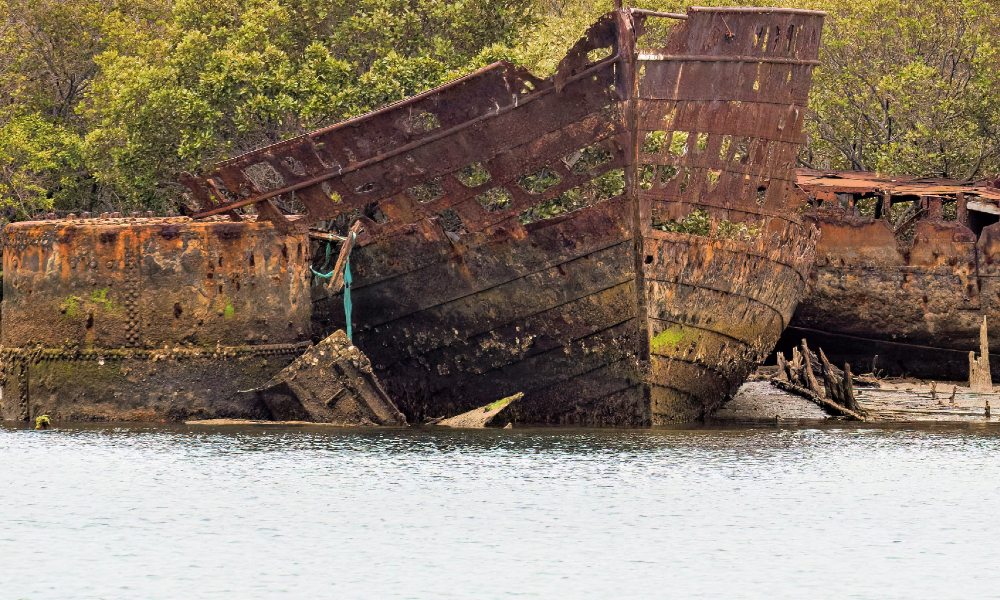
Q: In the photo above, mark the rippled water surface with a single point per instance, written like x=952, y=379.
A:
x=297, y=513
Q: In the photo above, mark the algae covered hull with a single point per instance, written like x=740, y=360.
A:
x=618, y=241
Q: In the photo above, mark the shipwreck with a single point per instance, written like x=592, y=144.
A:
x=906, y=270
x=619, y=242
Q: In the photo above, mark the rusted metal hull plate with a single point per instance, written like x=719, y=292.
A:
x=147, y=319
x=900, y=291
x=467, y=289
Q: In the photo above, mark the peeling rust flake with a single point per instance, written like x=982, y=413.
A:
x=541, y=235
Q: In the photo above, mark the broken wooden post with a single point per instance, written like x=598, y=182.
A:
x=782, y=366
x=980, y=378
x=810, y=377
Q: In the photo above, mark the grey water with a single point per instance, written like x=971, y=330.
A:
x=245, y=513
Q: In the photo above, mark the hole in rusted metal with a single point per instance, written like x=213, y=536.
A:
x=264, y=177
x=761, y=195
x=427, y=191
x=685, y=178
x=473, y=176
x=587, y=159
x=678, y=143
x=866, y=207
x=654, y=142
x=421, y=122
x=701, y=142
x=374, y=212
x=742, y=151
x=495, y=199
x=667, y=172
x=649, y=259
x=712, y=176
x=647, y=174
x=331, y=194
x=598, y=54
x=599, y=189
x=294, y=165
x=539, y=181
x=724, y=145
x=450, y=221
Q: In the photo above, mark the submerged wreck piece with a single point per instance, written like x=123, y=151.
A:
x=494, y=414
x=147, y=319
x=618, y=241
x=332, y=382
x=906, y=269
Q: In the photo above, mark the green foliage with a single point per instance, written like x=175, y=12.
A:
x=699, y=222
x=908, y=86
x=606, y=186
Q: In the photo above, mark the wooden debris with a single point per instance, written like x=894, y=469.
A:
x=495, y=414
x=332, y=382
x=836, y=396
x=829, y=406
x=980, y=378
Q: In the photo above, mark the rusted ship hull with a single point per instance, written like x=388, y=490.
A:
x=148, y=319
x=901, y=292
x=614, y=312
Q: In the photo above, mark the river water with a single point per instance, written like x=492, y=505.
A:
x=246, y=513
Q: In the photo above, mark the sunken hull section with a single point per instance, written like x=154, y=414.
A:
x=509, y=241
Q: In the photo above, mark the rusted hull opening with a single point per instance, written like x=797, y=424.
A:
x=536, y=235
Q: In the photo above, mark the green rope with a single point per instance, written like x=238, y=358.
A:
x=326, y=265
x=348, y=279
x=347, y=297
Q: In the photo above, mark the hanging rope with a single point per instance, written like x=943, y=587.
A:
x=326, y=265
x=347, y=296
x=340, y=274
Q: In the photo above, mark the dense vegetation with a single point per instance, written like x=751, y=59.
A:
x=104, y=102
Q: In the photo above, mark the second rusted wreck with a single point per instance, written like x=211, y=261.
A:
x=906, y=271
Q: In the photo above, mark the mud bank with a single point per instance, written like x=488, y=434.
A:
x=892, y=401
